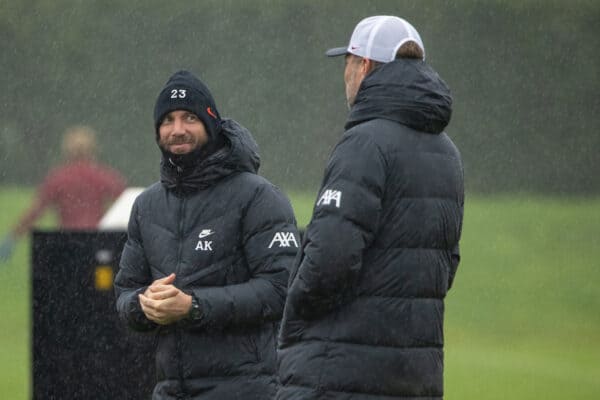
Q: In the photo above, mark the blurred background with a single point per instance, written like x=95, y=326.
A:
x=523, y=319
x=524, y=76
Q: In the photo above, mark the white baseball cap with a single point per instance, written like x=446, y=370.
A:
x=378, y=38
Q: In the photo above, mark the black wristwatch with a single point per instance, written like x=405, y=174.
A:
x=195, y=311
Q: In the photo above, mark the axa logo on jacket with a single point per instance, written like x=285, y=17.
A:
x=330, y=195
x=285, y=239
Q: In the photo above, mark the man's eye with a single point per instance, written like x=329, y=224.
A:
x=192, y=117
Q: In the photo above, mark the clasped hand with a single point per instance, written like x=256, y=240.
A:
x=163, y=303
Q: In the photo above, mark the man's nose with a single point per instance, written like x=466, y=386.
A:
x=178, y=126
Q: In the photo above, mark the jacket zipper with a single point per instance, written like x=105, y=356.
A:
x=178, y=335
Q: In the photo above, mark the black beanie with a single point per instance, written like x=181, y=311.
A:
x=183, y=91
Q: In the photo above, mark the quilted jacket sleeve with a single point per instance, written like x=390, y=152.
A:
x=133, y=278
x=344, y=221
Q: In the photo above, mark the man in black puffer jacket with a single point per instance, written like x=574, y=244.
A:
x=209, y=247
x=365, y=307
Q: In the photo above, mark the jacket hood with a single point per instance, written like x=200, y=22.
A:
x=239, y=153
x=407, y=91
x=244, y=149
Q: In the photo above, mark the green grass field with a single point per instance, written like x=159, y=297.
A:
x=522, y=321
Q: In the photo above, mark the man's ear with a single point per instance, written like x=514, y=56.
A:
x=366, y=66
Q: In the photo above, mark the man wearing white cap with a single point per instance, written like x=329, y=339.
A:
x=365, y=308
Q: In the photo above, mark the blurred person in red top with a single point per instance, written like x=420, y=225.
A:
x=79, y=190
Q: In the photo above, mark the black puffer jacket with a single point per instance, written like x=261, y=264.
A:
x=365, y=309
x=231, y=243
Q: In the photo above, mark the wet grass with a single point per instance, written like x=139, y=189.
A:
x=522, y=320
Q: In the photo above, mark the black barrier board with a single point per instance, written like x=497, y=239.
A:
x=81, y=350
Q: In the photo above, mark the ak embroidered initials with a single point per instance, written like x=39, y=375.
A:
x=204, y=245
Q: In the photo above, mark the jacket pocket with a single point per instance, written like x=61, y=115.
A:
x=212, y=275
